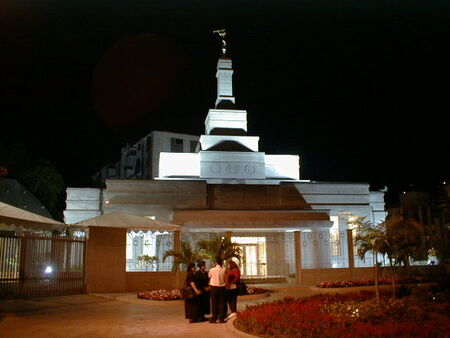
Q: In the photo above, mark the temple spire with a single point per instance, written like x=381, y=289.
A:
x=224, y=76
x=222, y=32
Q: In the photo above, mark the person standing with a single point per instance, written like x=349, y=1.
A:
x=203, y=283
x=191, y=306
x=218, y=295
x=232, y=278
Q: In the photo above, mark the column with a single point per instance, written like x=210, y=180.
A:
x=298, y=256
x=177, y=240
x=179, y=277
x=351, y=254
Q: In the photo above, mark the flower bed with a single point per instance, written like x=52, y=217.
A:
x=350, y=315
x=253, y=290
x=161, y=294
x=366, y=282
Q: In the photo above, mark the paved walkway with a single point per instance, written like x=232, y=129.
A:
x=119, y=315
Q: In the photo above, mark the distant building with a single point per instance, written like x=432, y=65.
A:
x=141, y=160
x=427, y=208
x=431, y=209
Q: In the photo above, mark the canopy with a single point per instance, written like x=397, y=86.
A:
x=16, y=219
x=121, y=220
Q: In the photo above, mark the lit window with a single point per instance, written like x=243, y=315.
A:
x=145, y=250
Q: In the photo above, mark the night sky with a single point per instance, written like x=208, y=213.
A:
x=359, y=89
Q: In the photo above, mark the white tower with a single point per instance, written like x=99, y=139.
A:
x=227, y=155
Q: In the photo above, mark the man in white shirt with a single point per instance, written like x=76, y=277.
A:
x=218, y=293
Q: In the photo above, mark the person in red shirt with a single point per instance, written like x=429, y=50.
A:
x=232, y=278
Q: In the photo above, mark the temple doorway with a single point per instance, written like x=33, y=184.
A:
x=254, y=261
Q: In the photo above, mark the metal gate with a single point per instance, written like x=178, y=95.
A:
x=35, y=265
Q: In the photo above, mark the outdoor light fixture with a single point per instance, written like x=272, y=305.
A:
x=48, y=269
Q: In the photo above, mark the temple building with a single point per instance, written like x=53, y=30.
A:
x=228, y=187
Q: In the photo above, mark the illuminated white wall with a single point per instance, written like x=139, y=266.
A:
x=282, y=166
x=237, y=165
x=179, y=164
x=230, y=164
x=224, y=80
x=219, y=118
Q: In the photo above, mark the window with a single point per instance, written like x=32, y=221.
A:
x=335, y=237
x=335, y=244
x=176, y=145
x=145, y=251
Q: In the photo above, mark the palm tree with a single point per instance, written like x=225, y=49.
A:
x=219, y=247
x=183, y=257
x=371, y=237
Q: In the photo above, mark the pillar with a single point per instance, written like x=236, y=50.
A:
x=351, y=254
x=177, y=240
x=298, y=256
x=105, y=260
x=178, y=278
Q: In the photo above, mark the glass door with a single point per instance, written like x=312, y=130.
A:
x=253, y=262
x=250, y=266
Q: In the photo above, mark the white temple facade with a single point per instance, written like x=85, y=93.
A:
x=228, y=187
x=227, y=155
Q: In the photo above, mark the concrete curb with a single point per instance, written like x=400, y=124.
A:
x=231, y=328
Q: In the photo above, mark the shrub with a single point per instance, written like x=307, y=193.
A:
x=366, y=282
x=160, y=294
x=350, y=315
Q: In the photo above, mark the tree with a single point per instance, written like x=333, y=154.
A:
x=40, y=176
x=371, y=237
x=405, y=237
x=183, y=257
x=146, y=260
x=43, y=180
x=219, y=247
x=398, y=238
x=440, y=234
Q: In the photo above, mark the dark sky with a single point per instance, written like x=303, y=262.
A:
x=359, y=89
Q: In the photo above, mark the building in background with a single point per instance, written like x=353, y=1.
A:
x=430, y=210
x=141, y=160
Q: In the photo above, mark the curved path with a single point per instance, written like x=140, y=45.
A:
x=119, y=315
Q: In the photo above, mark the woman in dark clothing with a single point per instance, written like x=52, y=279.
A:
x=232, y=278
x=191, y=306
x=203, y=283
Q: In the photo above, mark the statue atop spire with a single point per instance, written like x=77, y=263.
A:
x=222, y=34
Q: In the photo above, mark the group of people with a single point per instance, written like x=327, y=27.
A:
x=216, y=290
